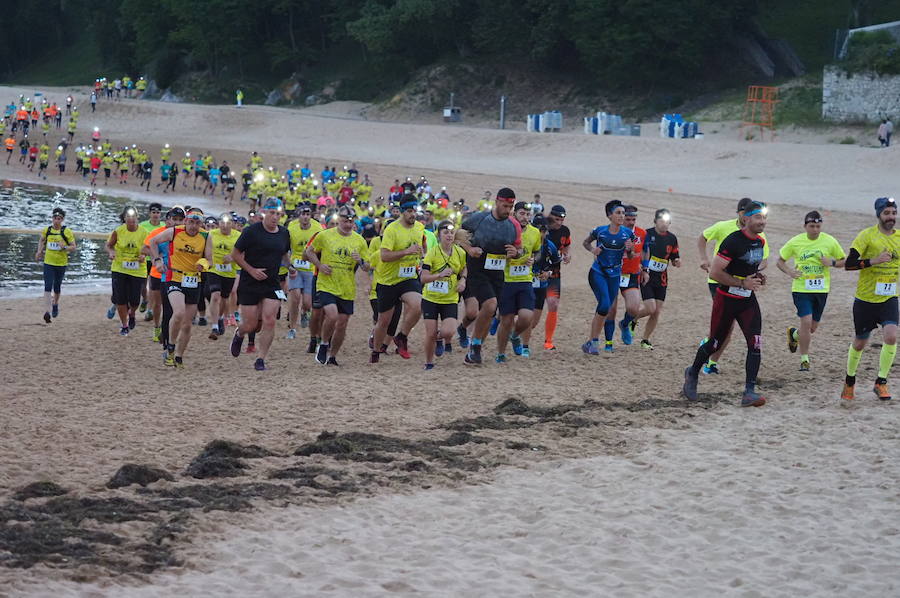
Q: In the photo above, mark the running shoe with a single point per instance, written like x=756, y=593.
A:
x=438, y=348
x=402, y=347
x=847, y=393
x=752, y=399
x=201, y=321
x=220, y=324
x=645, y=344
x=322, y=354
x=54, y=310
x=501, y=358
x=516, y=341
x=792, y=344
x=111, y=312
x=311, y=348
x=590, y=348
x=143, y=307
x=304, y=320
x=214, y=333
x=236, y=342
x=251, y=347
x=292, y=334
x=157, y=334
x=237, y=317
x=123, y=331
x=429, y=366
x=495, y=324
x=463, y=336
x=689, y=390
x=168, y=358
x=371, y=342
x=633, y=325
x=804, y=366
x=711, y=368
x=526, y=352
x=881, y=389
x=332, y=361
x=178, y=363
x=259, y=365
x=549, y=347
x=47, y=317
x=375, y=356
x=131, y=322
x=448, y=348
x=608, y=347
x=626, y=332
x=148, y=316
x=473, y=356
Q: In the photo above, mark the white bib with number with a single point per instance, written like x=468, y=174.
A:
x=536, y=283
x=190, y=282
x=658, y=265
x=280, y=294
x=407, y=272
x=739, y=291
x=439, y=286
x=624, y=281
x=495, y=261
x=54, y=246
x=886, y=287
x=223, y=267
x=131, y=265
x=300, y=264
x=521, y=270
x=814, y=284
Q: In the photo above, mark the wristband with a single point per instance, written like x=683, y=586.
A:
x=833, y=263
x=645, y=263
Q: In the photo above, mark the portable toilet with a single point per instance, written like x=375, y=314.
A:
x=452, y=114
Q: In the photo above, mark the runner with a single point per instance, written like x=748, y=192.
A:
x=54, y=247
x=560, y=235
x=220, y=278
x=151, y=224
x=159, y=303
x=611, y=243
x=494, y=239
x=336, y=253
x=300, y=283
x=181, y=277
x=629, y=285
x=875, y=252
x=660, y=251
x=717, y=232
x=402, y=246
x=260, y=250
x=129, y=267
x=516, y=305
x=542, y=269
x=443, y=277
x=736, y=268
x=814, y=254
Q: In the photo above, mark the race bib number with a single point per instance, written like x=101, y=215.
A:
x=300, y=264
x=407, y=272
x=886, y=287
x=280, y=294
x=521, y=270
x=223, y=268
x=54, y=246
x=439, y=286
x=739, y=291
x=190, y=282
x=624, y=281
x=814, y=284
x=495, y=261
x=131, y=265
x=658, y=265
x=536, y=283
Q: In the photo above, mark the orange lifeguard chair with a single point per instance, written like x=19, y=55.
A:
x=759, y=111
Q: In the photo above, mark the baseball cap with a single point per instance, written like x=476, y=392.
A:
x=558, y=211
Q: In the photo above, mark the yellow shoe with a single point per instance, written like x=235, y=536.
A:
x=169, y=359
x=792, y=344
x=847, y=393
x=157, y=333
x=882, y=391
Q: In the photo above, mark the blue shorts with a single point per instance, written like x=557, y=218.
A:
x=53, y=277
x=515, y=296
x=810, y=304
x=605, y=290
x=303, y=281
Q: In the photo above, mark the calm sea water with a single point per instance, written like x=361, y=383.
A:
x=29, y=206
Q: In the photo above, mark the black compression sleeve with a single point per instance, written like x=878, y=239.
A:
x=854, y=263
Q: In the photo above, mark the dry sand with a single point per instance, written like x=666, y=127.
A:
x=627, y=490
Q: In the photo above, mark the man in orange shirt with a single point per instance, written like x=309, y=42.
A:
x=10, y=143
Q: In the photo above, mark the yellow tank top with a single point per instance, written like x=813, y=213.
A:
x=184, y=251
x=128, y=252
x=222, y=246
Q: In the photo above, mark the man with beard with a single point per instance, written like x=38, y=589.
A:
x=875, y=252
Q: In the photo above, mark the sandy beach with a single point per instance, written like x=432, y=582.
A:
x=560, y=475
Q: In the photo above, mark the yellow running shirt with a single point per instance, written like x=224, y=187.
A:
x=128, y=252
x=444, y=290
x=397, y=237
x=335, y=250
x=299, y=240
x=56, y=239
x=877, y=283
x=807, y=254
x=518, y=270
x=184, y=251
x=222, y=246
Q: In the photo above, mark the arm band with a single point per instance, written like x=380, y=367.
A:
x=645, y=263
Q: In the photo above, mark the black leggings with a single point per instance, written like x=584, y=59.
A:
x=166, y=317
x=725, y=312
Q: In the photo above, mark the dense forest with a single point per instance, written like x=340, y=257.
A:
x=635, y=43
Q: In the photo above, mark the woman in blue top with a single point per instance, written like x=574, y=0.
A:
x=609, y=244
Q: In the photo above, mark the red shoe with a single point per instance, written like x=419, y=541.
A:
x=402, y=349
x=251, y=348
